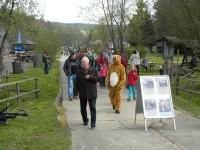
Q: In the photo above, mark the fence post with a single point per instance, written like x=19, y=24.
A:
x=17, y=91
x=36, y=87
x=191, y=94
x=177, y=85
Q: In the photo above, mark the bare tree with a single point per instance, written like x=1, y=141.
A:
x=115, y=16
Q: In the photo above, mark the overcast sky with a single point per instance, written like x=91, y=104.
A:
x=67, y=11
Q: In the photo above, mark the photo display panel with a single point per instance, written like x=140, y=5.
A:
x=156, y=96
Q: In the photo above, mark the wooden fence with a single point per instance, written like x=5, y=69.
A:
x=189, y=86
x=19, y=92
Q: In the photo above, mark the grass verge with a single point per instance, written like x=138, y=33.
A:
x=40, y=130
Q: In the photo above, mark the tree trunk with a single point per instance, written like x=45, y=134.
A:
x=5, y=36
x=2, y=46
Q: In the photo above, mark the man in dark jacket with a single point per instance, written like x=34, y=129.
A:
x=70, y=68
x=86, y=83
x=45, y=59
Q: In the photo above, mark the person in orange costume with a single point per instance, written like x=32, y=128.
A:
x=115, y=81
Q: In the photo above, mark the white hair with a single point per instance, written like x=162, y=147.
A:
x=85, y=59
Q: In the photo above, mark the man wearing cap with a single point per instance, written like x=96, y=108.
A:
x=87, y=78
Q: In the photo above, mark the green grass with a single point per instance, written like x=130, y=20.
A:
x=183, y=103
x=40, y=130
x=158, y=58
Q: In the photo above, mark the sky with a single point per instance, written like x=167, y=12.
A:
x=66, y=11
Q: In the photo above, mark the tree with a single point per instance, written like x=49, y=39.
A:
x=182, y=19
x=141, y=31
x=10, y=12
x=108, y=11
x=113, y=14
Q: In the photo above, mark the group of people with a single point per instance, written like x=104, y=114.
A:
x=84, y=70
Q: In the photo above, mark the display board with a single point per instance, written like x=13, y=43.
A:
x=154, y=94
x=156, y=97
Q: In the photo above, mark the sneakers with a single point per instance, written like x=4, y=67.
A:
x=128, y=99
x=117, y=111
x=76, y=97
x=93, y=125
x=85, y=123
x=113, y=107
x=70, y=98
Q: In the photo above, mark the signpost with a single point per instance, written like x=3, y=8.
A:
x=154, y=98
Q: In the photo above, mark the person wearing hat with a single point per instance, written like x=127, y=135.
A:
x=87, y=78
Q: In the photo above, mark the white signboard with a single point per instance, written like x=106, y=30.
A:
x=156, y=97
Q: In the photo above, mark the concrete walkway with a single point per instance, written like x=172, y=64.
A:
x=118, y=131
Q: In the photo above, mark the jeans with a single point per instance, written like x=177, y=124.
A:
x=72, y=88
x=92, y=104
x=132, y=93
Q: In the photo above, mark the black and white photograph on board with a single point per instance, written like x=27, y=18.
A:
x=162, y=86
x=148, y=86
x=150, y=107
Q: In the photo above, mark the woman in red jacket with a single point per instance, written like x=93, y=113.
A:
x=132, y=81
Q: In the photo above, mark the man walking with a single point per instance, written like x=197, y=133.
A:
x=70, y=68
x=86, y=83
x=45, y=60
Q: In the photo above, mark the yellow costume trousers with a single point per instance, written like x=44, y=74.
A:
x=115, y=98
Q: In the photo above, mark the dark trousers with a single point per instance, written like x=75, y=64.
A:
x=75, y=90
x=46, y=68
x=102, y=81
x=92, y=104
x=138, y=69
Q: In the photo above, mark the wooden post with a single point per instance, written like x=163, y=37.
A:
x=177, y=85
x=17, y=91
x=36, y=87
x=171, y=72
x=190, y=94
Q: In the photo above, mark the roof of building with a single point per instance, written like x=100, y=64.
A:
x=183, y=42
x=27, y=42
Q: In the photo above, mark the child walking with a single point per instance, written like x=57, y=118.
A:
x=102, y=75
x=132, y=81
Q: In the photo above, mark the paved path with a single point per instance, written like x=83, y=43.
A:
x=118, y=131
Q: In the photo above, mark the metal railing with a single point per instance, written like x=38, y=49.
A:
x=19, y=94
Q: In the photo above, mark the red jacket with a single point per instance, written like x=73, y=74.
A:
x=132, y=77
x=124, y=61
x=103, y=71
x=102, y=61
